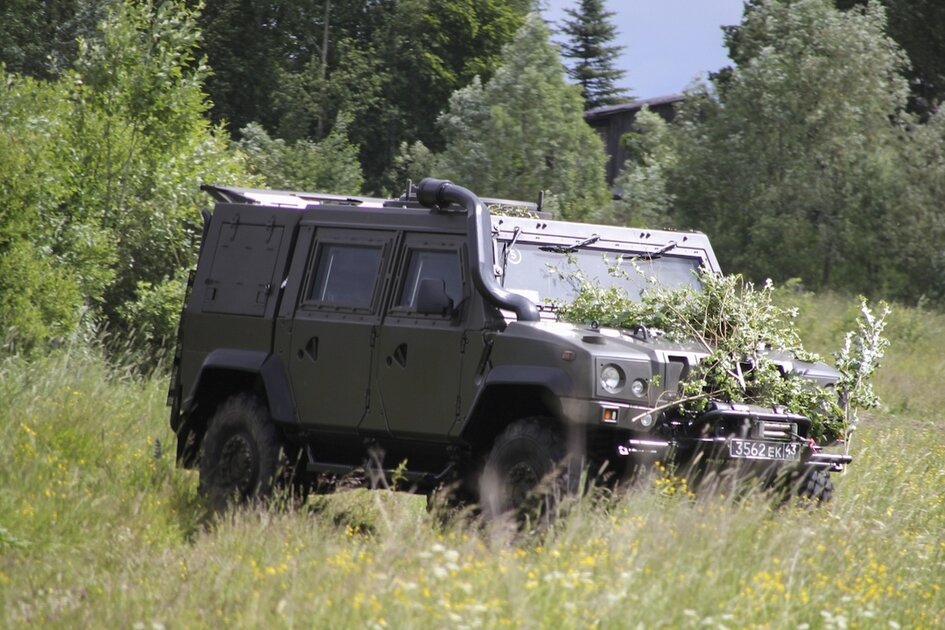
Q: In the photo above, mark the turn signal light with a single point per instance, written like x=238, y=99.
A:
x=609, y=415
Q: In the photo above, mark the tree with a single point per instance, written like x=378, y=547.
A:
x=645, y=199
x=391, y=66
x=523, y=131
x=590, y=48
x=142, y=143
x=39, y=295
x=413, y=162
x=919, y=27
x=246, y=42
x=38, y=39
x=917, y=235
x=327, y=166
x=793, y=164
x=105, y=201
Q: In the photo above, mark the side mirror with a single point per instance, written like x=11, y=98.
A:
x=432, y=298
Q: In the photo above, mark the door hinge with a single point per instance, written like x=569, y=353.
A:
x=373, y=335
x=234, y=226
x=462, y=344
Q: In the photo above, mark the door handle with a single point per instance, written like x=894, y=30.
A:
x=399, y=356
x=310, y=349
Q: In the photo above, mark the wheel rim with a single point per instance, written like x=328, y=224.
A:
x=522, y=480
x=238, y=464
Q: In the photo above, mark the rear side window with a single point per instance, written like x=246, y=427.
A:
x=423, y=264
x=346, y=275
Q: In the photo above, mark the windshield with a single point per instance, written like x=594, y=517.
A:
x=548, y=276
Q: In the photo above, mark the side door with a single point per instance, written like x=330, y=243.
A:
x=332, y=338
x=419, y=356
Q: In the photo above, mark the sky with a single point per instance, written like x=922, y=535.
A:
x=667, y=43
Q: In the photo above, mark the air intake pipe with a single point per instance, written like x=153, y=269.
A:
x=440, y=192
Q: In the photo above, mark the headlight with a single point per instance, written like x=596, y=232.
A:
x=638, y=388
x=611, y=378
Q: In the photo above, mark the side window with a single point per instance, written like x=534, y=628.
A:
x=422, y=264
x=346, y=275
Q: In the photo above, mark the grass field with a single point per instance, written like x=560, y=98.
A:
x=99, y=529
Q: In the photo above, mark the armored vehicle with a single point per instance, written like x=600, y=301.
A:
x=324, y=336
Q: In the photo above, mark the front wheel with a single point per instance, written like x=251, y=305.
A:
x=527, y=471
x=816, y=486
x=241, y=453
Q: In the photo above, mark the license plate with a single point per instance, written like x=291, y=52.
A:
x=756, y=449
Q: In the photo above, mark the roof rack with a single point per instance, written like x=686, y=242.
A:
x=302, y=200
x=284, y=198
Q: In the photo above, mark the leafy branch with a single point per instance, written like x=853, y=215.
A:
x=857, y=360
x=752, y=345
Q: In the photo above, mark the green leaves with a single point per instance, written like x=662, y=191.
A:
x=748, y=340
x=802, y=161
x=294, y=66
x=590, y=49
x=523, y=131
x=858, y=359
x=100, y=174
x=645, y=197
x=327, y=166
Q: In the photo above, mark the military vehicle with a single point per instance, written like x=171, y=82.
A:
x=325, y=336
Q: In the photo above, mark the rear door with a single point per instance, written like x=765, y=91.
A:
x=334, y=325
x=418, y=358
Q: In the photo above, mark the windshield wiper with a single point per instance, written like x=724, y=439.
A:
x=651, y=255
x=567, y=249
x=508, y=248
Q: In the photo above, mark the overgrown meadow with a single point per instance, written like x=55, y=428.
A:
x=99, y=529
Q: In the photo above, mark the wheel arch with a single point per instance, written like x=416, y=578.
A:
x=223, y=374
x=513, y=392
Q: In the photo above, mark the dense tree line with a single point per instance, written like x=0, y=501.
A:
x=98, y=174
x=820, y=154
x=108, y=127
x=804, y=159
x=388, y=66
x=916, y=25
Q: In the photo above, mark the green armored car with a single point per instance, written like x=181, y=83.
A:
x=326, y=336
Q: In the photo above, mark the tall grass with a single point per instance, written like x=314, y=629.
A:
x=98, y=528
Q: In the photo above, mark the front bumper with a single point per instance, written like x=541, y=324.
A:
x=730, y=433
x=719, y=450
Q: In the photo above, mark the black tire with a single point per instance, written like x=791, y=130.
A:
x=527, y=472
x=816, y=486
x=241, y=456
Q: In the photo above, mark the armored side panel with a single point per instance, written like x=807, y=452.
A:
x=237, y=285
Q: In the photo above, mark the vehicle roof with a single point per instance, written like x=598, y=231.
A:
x=535, y=229
x=611, y=237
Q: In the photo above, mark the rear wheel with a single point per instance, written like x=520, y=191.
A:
x=527, y=471
x=241, y=455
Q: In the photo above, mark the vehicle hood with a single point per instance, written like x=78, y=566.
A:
x=643, y=346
